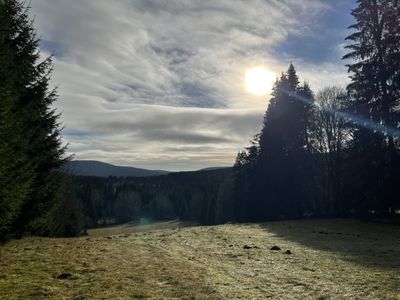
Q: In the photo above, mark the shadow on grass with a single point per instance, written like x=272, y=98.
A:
x=367, y=244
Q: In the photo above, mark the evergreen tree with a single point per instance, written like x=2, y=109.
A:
x=274, y=168
x=244, y=174
x=375, y=51
x=284, y=161
x=305, y=159
x=66, y=218
x=31, y=154
x=273, y=176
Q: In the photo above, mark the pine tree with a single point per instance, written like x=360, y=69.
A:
x=375, y=50
x=31, y=154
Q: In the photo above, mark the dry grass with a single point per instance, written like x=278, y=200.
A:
x=335, y=259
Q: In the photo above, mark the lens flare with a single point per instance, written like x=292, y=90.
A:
x=351, y=118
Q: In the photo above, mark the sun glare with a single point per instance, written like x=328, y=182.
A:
x=259, y=80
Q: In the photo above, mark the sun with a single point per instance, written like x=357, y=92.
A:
x=259, y=80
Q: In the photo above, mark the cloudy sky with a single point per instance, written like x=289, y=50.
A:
x=160, y=84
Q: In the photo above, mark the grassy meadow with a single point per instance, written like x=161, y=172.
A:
x=314, y=259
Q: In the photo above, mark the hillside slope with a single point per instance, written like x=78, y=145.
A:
x=101, y=169
x=330, y=259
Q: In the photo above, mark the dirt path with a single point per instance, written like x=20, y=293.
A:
x=97, y=268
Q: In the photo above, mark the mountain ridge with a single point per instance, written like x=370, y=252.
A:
x=102, y=169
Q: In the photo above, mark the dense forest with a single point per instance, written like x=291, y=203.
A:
x=335, y=152
x=194, y=196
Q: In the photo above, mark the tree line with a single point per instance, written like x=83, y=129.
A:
x=336, y=153
x=192, y=196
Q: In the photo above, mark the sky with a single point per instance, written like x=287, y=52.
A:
x=160, y=84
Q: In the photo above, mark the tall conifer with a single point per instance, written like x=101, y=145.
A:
x=274, y=175
x=31, y=154
x=375, y=90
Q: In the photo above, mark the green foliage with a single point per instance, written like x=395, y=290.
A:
x=375, y=91
x=67, y=218
x=16, y=169
x=31, y=154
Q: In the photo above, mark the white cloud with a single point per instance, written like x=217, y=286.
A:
x=160, y=83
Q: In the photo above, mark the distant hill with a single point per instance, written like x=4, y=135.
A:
x=214, y=168
x=101, y=169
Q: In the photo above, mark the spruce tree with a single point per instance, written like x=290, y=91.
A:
x=284, y=161
x=273, y=176
x=374, y=88
x=31, y=155
x=244, y=175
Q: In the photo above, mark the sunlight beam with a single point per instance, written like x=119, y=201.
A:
x=351, y=118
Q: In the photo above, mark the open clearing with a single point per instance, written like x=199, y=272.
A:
x=330, y=259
